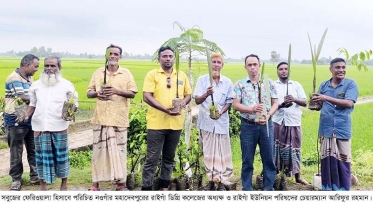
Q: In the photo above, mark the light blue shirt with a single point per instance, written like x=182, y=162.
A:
x=222, y=95
x=332, y=117
x=248, y=94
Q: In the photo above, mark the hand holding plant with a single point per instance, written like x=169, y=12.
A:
x=20, y=109
x=69, y=108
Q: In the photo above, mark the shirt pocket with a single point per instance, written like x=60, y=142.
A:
x=341, y=95
x=222, y=98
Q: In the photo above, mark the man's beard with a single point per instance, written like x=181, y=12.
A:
x=113, y=63
x=50, y=79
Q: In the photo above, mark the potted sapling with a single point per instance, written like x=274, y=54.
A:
x=287, y=104
x=214, y=111
x=176, y=102
x=69, y=108
x=261, y=117
x=104, y=83
x=315, y=52
x=20, y=107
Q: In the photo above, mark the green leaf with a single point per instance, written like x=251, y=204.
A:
x=321, y=44
x=209, y=64
x=177, y=59
x=309, y=39
x=368, y=54
x=107, y=54
x=362, y=56
x=262, y=73
x=359, y=67
x=289, y=60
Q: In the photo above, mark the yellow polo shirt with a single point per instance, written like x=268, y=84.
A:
x=115, y=112
x=156, y=82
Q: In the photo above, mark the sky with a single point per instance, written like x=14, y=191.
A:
x=239, y=27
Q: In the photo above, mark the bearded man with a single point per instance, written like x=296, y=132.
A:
x=47, y=97
x=110, y=119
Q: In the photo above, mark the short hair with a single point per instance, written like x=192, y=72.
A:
x=164, y=48
x=336, y=60
x=115, y=46
x=281, y=63
x=217, y=55
x=54, y=57
x=28, y=59
x=252, y=55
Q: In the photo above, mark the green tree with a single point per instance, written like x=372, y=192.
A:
x=275, y=57
x=357, y=59
x=190, y=43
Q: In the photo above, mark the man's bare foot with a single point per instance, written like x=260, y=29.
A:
x=302, y=181
x=43, y=185
x=63, y=184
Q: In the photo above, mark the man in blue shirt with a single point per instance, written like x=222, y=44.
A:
x=337, y=96
x=214, y=133
x=17, y=85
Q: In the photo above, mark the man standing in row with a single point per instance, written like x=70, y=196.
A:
x=338, y=96
x=214, y=133
x=164, y=124
x=246, y=101
x=17, y=85
x=287, y=124
x=111, y=120
x=47, y=98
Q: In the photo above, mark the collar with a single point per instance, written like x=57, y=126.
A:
x=118, y=71
x=160, y=70
x=279, y=82
x=340, y=84
x=28, y=79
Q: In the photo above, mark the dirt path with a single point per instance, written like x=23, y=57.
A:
x=77, y=139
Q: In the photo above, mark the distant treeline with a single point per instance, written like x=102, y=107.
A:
x=43, y=52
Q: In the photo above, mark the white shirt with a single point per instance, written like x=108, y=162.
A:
x=48, y=103
x=293, y=114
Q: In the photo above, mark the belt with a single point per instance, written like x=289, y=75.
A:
x=251, y=121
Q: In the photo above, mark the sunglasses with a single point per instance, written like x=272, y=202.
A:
x=168, y=82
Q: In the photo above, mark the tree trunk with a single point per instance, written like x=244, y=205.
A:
x=188, y=114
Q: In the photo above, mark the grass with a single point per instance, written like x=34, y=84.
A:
x=79, y=72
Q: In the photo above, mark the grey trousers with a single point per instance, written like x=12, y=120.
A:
x=160, y=141
x=17, y=136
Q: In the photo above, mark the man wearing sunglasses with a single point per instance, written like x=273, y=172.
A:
x=164, y=124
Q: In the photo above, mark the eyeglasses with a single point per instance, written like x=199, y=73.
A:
x=168, y=82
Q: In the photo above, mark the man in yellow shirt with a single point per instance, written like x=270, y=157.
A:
x=164, y=124
x=109, y=161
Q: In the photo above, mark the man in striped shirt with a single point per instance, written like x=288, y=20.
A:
x=17, y=85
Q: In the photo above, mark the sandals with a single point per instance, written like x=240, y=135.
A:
x=121, y=188
x=94, y=189
x=210, y=186
x=15, y=186
x=35, y=181
x=221, y=187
